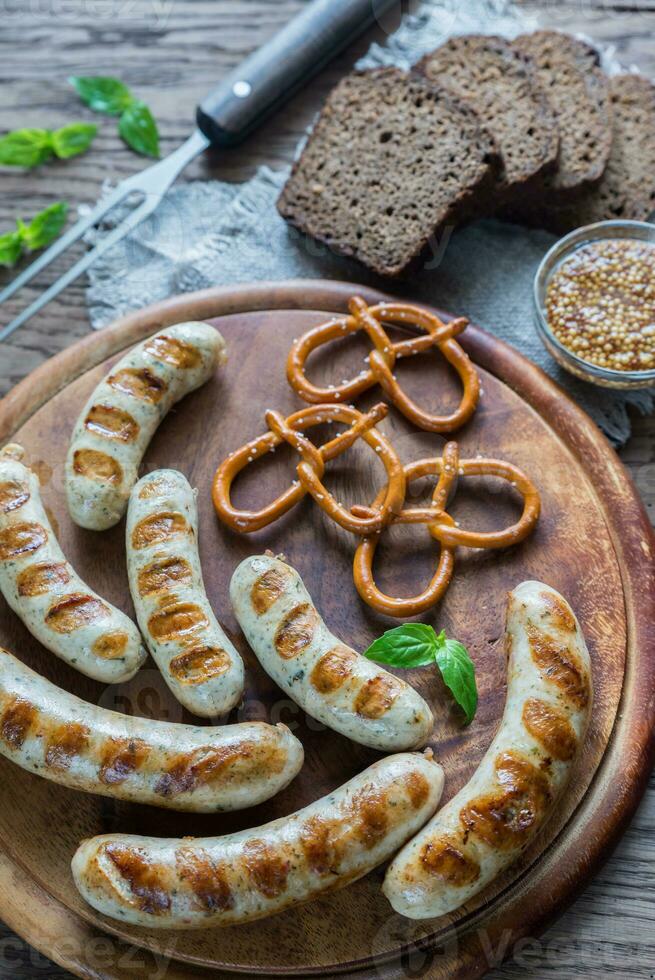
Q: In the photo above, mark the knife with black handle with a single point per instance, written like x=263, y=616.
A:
x=266, y=79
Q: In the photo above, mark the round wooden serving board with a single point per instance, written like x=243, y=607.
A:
x=593, y=543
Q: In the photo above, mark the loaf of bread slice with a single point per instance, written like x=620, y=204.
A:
x=391, y=161
x=627, y=187
x=501, y=85
x=578, y=91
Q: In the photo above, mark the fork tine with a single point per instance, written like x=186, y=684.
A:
x=153, y=182
x=67, y=239
x=131, y=221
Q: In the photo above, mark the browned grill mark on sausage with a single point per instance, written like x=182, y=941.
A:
x=509, y=644
x=505, y=818
x=232, y=764
x=157, y=487
x=157, y=528
x=418, y=789
x=376, y=696
x=146, y=880
x=41, y=578
x=333, y=669
x=120, y=758
x=74, y=611
x=176, y=620
x=207, y=880
x=266, y=867
x=296, y=631
x=140, y=383
x=64, y=743
x=369, y=812
x=20, y=539
x=173, y=351
x=110, y=422
x=16, y=721
x=559, y=611
x=320, y=840
x=444, y=859
x=551, y=728
x=268, y=588
x=97, y=466
x=560, y=665
x=111, y=646
x=200, y=664
x=13, y=494
x=163, y=574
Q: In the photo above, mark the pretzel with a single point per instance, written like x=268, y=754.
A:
x=311, y=467
x=383, y=357
x=442, y=527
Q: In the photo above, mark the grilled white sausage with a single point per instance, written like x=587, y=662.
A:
x=45, y=591
x=121, y=416
x=198, y=662
x=220, y=881
x=497, y=814
x=327, y=679
x=182, y=767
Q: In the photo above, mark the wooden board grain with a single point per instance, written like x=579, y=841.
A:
x=593, y=543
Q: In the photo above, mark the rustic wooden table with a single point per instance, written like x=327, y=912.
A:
x=172, y=52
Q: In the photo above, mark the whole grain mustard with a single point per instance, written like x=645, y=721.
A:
x=600, y=304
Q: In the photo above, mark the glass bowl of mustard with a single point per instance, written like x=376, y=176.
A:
x=594, y=303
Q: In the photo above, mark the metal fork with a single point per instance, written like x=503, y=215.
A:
x=151, y=185
x=242, y=101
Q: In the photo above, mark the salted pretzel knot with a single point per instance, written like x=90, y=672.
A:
x=382, y=359
x=311, y=467
x=442, y=527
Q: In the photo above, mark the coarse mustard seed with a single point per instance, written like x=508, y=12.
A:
x=600, y=304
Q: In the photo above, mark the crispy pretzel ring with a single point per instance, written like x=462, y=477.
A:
x=383, y=358
x=442, y=527
x=311, y=467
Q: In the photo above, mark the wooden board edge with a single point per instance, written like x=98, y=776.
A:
x=58, y=371
x=623, y=775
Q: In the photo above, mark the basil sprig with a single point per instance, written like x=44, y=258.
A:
x=38, y=233
x=112, y=97
x=417, y=645
x=30, y=147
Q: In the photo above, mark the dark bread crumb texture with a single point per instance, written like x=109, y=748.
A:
x=391, y=161
x=569, y=73
x=501, y=84
x=627, y=187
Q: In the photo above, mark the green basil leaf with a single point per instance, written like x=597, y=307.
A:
x=73, y=139
x=139, y=130
x=43, y=228
x=25, y=147
x=411, y=645
x=10, y=248
x=103, y=94
x=458, y=672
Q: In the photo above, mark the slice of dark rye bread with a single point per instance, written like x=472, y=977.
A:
x=578, y=91
x=627, y=187
x=391, y=161
x=501, y=85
